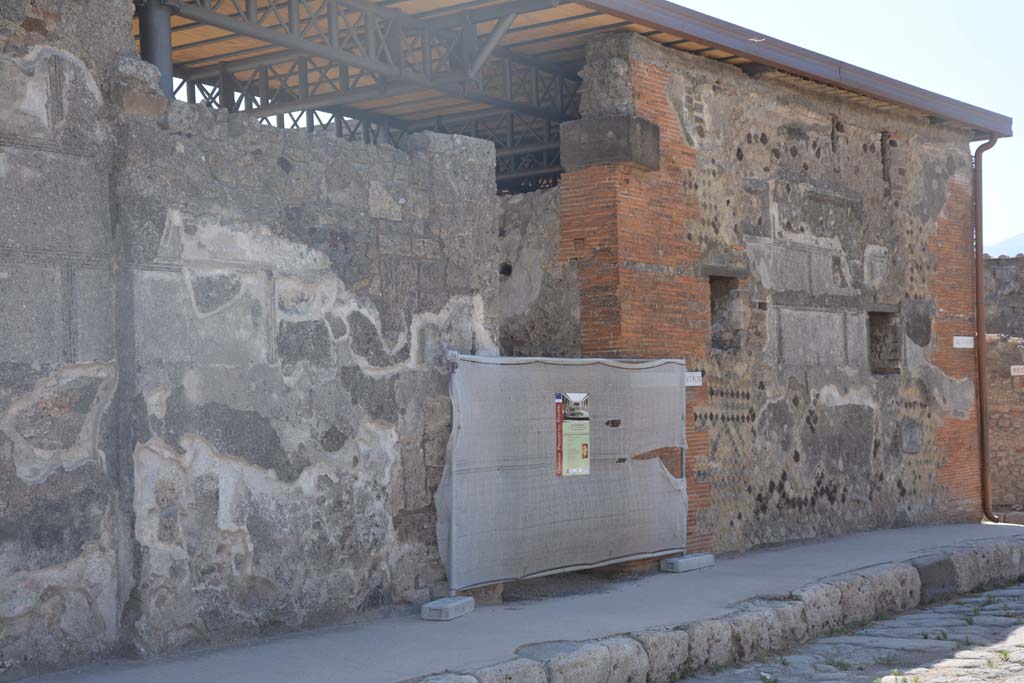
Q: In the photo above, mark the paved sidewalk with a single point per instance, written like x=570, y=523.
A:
x=973, y=639
x=401, y=648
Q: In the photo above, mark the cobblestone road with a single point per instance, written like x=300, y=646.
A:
x=975, y=638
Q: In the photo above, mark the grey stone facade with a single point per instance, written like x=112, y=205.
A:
x=223, y=387
x=292, y=299
x=63, y=531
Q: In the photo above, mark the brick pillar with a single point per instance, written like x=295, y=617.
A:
x=642, y=294
x=951, y=282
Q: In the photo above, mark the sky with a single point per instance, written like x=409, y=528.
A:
x=966, y=49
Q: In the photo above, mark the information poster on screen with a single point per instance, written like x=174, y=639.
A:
x=572, y=434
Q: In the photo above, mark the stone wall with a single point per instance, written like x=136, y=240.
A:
x=1004, y=311
x=538, y=295
x=63, y=537
x=1006, y=421
x=293, y=299
x=1004, y=295
x=223, y=384
x=812, y=256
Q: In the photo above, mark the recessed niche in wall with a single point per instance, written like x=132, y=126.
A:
x=884, y=349
x=725, y=313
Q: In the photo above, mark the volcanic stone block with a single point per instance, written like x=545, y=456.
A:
x=611, y=140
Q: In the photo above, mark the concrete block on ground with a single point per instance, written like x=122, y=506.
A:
x=447, y=609
x=687, y=563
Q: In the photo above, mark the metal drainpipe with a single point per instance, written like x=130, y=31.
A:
x=982, y=345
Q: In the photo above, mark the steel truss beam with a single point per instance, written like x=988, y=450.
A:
x=351, y=50
x=324, y=60
x=527, y=148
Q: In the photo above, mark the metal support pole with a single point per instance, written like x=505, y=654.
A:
x=497, y=33
x=225, y=94
x=155, y=40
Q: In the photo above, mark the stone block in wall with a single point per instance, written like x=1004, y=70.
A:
x=31, y=325
x=812, y=337
x=667, y=652
x=135, y=88
x=611, y=140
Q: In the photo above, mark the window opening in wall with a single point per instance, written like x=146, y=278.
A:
x=884, y=349
x=725, y=313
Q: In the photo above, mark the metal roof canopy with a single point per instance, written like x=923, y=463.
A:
x=502, y=70
x=796, y=60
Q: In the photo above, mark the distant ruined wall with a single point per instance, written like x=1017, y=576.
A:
x=223, y=380
x=1004, y=295
x=810, y=254
x=1004, y=321
x=1006, y=421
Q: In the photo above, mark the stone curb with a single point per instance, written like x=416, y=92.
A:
x=762, y=626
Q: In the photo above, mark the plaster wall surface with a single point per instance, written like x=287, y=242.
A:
x=63, y=531
x=846, y=231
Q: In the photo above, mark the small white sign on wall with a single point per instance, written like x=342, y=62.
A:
x=695, y=379
x=1017, y=371
x=963, y=342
